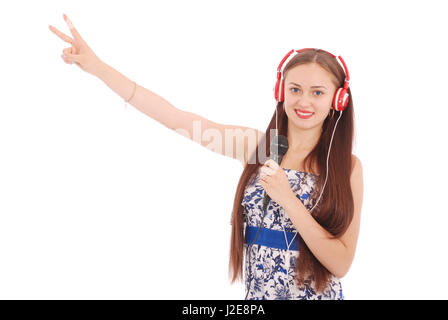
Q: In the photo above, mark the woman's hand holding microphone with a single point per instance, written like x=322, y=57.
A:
x=275, y=181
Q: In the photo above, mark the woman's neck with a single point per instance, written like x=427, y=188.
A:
x=302, y=141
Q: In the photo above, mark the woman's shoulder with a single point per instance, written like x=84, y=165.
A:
x=355, y=162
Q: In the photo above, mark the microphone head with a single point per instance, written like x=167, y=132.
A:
x=278, y=147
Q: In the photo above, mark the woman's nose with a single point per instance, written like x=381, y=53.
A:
x=304, y=102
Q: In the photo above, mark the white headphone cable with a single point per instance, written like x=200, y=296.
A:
x=287, y=260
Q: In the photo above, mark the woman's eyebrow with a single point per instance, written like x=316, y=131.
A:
x=311, y=87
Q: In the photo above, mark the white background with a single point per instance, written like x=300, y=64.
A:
x=99, y=202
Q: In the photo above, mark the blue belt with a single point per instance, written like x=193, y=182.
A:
x=272, y=238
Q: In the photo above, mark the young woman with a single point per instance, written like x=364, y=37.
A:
x=316, y=192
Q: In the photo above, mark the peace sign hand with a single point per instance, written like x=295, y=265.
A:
x=79, y=52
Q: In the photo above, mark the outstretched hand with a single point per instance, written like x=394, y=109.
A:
x=79, y=52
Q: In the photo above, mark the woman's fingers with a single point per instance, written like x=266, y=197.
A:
x=72, y=28
x=65, y=52
x=69, y=57
x=267, y=171
x=68, y=51
x=79, y=52
x=65, y=59
x=61, y=35
x=72, y=57
x=272, y=164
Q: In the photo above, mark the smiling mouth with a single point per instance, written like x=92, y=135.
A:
x=303, y=115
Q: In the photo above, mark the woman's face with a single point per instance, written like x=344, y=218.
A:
x=309, y=88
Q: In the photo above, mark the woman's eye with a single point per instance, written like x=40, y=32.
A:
x=321, y=93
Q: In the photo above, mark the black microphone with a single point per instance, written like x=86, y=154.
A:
x=278, y=148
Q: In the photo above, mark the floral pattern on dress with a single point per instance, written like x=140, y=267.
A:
x=272, y=270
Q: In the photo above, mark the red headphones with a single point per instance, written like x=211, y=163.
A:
x=340, y=99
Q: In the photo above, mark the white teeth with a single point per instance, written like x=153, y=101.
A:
x=304, y=114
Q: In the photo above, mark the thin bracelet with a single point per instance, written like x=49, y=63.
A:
x=126, y=101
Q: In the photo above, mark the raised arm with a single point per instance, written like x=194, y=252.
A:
x=233, y=141
x=237, y=142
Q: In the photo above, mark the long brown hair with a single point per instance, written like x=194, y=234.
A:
x=334, y=212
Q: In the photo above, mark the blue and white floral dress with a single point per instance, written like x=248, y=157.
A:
x=271, y=277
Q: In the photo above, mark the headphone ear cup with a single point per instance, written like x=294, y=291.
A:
x=277, y=87
x=340, y=100
x=282, y=86
x=276, y=90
